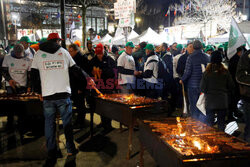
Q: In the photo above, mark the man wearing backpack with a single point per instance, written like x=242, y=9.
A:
x=169, y=89
x=150, y=73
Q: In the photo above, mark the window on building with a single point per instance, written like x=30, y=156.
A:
x=100, y=24
x=88, y=23
x=93, y=24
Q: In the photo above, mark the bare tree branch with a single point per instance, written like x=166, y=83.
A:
x=218, y=11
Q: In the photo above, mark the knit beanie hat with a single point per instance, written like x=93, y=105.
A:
x=216, y=57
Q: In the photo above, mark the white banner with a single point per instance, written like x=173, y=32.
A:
x=236, y=39
x=123, y=8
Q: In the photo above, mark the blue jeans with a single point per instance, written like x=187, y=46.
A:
x=193, y=96
x=246, y=108
x=64, y=107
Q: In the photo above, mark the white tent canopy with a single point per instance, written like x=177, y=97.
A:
x=119, y=32
x=149, y=36
x=120, y=40
x=164, y=37
x=105, y=40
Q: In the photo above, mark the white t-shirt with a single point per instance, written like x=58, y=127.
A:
x=175, y=63
x=152, y=66
x=53, y=70
x=18, y=68
x=127, y=62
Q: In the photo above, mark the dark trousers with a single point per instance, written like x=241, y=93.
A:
x=151, y=90
x=246, y=108
x=221, y=115
x=170, y=93
x=233, y=109
x=178, y=94
x=79, y=103
x=90, y=99
x=13, y=110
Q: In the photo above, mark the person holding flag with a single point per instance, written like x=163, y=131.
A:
x=236, y=40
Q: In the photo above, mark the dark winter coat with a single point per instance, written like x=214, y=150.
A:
x=216, y=87
x=107, y=66
x=75, y=83
x=232, y=67
x=139, y=57
x=168, y=59
x=243, y=75
x=193, y=70
x=181, y=64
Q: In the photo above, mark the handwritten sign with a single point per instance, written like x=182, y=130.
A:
x=124, y=8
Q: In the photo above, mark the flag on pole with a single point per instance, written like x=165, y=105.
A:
x=236, y=39
x=72, y=27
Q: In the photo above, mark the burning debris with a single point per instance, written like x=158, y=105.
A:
x=190, y=137
x=129, y=99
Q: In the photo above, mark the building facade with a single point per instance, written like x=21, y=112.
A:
x=243, y=7
x=39, y=18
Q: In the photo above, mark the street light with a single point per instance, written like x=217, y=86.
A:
x=137, y=20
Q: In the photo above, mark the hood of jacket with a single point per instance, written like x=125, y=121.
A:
x=50, y=47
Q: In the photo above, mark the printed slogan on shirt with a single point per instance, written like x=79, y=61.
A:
x=53, y=65
x=17, y=71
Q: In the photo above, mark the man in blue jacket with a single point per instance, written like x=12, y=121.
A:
x=195, y=66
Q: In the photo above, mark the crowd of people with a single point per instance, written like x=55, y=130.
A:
x=66, y=75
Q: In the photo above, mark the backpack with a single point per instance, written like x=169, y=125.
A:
x=163, y=72
x=32, y=51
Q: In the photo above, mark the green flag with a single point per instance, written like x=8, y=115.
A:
x=236, y=39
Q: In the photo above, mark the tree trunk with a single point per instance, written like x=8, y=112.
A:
x=84, y=9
